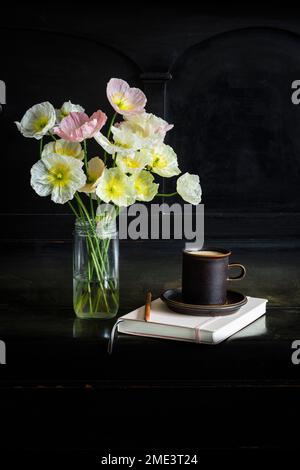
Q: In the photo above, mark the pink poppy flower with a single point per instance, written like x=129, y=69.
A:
x=125, y=100
x=78, y=126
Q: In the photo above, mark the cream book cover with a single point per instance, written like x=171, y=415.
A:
x=200, y=329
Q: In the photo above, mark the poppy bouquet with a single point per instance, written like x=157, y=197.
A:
x=136, y=148
x=133, y=152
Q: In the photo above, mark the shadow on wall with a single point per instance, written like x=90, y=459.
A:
x=78, y=72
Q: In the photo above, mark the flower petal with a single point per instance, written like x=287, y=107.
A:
x=59, y=176
x=48, y=149
x=144, y=186
x=124, y=99
x=164, y=161
x=66, y=108
x=108, y=146
x=37, y=121
x=133, y=162
x=115, y=186
x=95, y=169
x=39, y=180
x=148, y=126
x=77, y=127
x=188, y=187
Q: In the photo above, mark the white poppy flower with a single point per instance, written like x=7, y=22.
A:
x=188, y=187
x=115, y=186
x=133, y=162
x=112, y=148
x=66, y=109
x=124, y=99
x=144, y=186
x=138, y=131
x=37, y=121
x=59, y=176
x=147, y=126
x=164, y=161
x=125, y=137
x=64, y=147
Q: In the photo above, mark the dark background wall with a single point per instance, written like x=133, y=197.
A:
x=221, y=76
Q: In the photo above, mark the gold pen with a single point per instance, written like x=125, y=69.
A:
x=148, y=306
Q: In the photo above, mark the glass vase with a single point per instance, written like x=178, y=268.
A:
x=95, y=272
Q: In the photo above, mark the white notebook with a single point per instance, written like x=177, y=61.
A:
x=199, y=329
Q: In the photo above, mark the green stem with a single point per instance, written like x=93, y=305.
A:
x=90, y=277
x=100, y=268
x=89, y=272
x=90, y=268
x=85, y=214
x=52, y=135
x=97, y=269
x=111, y=124
x=80, y=203
x=41, y=147
x=109, y=132
x=97, y=300
x=167, y=195
x=85, y=157
x=92, y=207
x=86, y=169
x=74, y=210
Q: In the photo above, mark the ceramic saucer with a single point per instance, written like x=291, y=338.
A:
x=172, y=298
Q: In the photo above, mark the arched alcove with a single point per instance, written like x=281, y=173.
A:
x=235, y=124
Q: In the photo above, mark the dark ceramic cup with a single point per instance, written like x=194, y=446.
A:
x=205, y=274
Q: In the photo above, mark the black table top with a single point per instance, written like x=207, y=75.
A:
x=61, y=391
x=48, y=346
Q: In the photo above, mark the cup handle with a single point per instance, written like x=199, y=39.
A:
x=241, y=275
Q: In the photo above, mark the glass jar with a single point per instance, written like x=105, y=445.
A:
x=95, y=271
